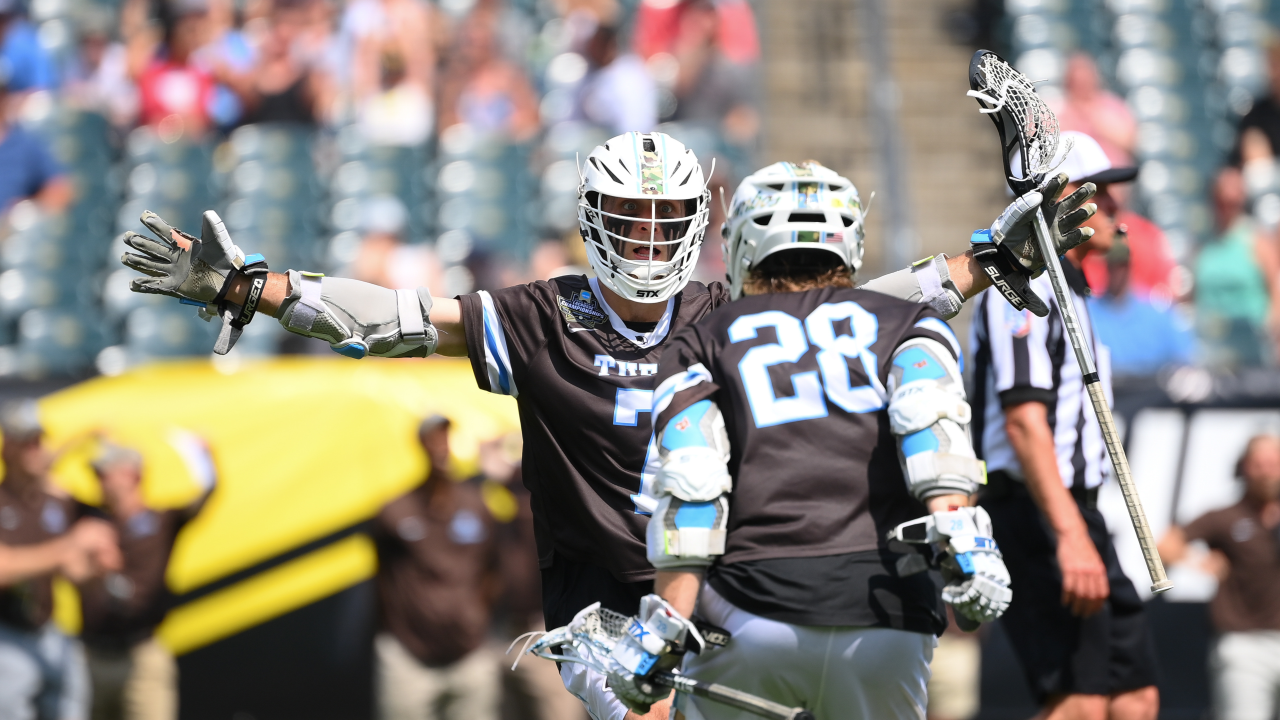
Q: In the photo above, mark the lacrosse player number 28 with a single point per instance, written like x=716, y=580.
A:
x=832, y=379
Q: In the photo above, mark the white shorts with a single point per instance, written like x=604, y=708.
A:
x=836, y=672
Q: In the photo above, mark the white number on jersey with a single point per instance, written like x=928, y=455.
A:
x=793, y=342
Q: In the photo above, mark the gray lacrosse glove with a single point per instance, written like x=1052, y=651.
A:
x=655, y=641
x=197, y=271
x=978, y=584
x=1009, y=253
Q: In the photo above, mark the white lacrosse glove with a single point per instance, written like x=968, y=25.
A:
x=655, y=641
x=978, y=584
x=197, y=271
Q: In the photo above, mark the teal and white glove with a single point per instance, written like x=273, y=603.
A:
x=978, y=584
x=655, y=641
x=197, y=271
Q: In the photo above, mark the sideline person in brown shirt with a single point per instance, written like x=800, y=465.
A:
x=1245, y=543
x=437, y=584
x=42, y=671
x=134, y=677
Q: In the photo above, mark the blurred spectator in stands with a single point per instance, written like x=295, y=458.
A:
x=400, y=111
x=29, y=169
x=1142, y=336
x=711, y=90
x=1244, y=541
x=438, y=579
x=482, y=88
x=177, y=93
x=618, y=92
x=133, y=676
x=230, y=50
x=26, y=63
x=534, y=691
x=1088, y=106
x=97, y=76
x=391, y=64
x=1235, y=281
x=281, y=86
x=1153, y=272
x=42, y=671
x=659, y=27
x=384, y=258
x=1264, y=117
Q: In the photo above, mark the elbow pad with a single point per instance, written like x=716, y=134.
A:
x=927, y=281
x=359, y=319
x=693, y=452
x=688, y=527
x=930, y=417
x=684, y=534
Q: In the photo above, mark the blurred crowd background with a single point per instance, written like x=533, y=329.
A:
x=402, y=142
x=411, y=142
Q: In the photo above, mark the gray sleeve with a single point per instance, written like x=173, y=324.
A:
x=358, y=318
x=927, y=281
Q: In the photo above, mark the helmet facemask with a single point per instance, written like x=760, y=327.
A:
x=668, y=251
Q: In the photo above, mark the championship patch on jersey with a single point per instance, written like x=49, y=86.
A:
x=580, y=308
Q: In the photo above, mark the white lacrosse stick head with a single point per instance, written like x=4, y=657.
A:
x=587, y=639
x=1028, y=128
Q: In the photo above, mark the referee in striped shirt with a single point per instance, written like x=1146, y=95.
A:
x=1076, y=622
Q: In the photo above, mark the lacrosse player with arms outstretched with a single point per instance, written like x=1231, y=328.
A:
x=578, y=353
x=797, y=428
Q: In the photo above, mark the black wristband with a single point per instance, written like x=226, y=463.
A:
x=256, y=269
x=251, y=300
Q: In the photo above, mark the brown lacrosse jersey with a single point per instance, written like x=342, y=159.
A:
x=801, y=379
x=437, y=569
x=123, y=608
x=583, y=381
x=1249, y=598
x=30, y=520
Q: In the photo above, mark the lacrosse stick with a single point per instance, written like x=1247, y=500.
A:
x=590, y=638
x=1027, y=125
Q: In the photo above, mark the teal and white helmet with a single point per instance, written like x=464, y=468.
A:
x=791, y=206
x=644, y=166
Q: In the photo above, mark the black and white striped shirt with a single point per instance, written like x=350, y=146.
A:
x=1019, y=357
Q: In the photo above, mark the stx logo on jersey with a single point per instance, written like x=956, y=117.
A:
x=624, y=369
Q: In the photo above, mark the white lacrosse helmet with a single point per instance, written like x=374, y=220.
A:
x=791, y=206
x=643, y=166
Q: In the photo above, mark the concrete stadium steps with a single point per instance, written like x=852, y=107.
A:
x=817, y=106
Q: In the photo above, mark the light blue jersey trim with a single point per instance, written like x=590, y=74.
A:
x=496, y=358
x=946, y=332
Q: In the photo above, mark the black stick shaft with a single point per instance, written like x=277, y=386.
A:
x=733, y=698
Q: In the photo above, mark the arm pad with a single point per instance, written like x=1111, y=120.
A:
x=357, y=318
x=688, y=527
x=693, y=450
x=929, y=416
x=685, y=534
x=927, y=281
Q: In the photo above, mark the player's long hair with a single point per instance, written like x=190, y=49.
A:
x=797, y=270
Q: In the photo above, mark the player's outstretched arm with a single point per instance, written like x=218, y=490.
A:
x=929, y=417
x=356, y=318
x=1006, y=253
